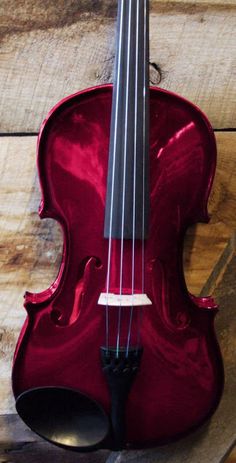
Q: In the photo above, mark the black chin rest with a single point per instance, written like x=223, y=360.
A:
x=64, y=417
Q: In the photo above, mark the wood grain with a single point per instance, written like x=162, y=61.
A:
x=31, y=249
x=54, y=49
x=200, y=258
x=19, y=445
x=210, y=444
x=232, y=457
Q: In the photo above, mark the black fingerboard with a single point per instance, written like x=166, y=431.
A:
x=127, y=198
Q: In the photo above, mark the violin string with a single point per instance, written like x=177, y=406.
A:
x=124, y=176
x=134, y=172
x=121, y=31
x=145, y=83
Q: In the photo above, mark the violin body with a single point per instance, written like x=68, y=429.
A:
x=180, y=379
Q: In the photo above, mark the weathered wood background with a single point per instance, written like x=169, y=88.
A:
x=52, y=49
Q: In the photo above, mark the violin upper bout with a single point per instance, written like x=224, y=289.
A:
x=183, y=158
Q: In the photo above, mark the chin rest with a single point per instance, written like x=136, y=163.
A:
x=64, y=417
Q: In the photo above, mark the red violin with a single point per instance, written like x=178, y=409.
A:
x=116, y=353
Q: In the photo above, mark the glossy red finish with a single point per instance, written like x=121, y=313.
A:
x=180, y=380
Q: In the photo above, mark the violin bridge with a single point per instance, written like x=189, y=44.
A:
x=124, y=300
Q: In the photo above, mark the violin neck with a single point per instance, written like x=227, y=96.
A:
x=127, y=200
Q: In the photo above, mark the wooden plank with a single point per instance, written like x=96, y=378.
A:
x=31, y=249
x=57, y=48
x=210, y=444
x=190, y=2
x=200, y=258
x=25, y=242
x=232, y=457
x=19, y=445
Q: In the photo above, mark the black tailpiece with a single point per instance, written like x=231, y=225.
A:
x=120, y=372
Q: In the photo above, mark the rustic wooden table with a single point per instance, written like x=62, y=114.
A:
x=52, y=49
